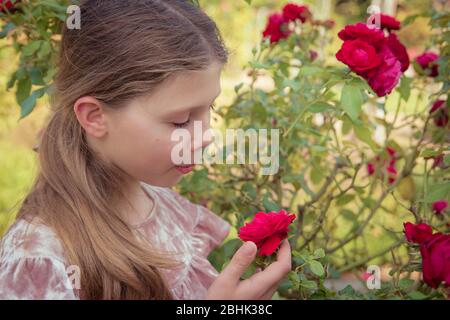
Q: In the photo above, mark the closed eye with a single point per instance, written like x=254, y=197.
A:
x=181, y=125
x=184, y=124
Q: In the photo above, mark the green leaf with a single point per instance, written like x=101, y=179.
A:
x=351, y=101
x=316, y=267
x=308, y=284
x=320, y=107
x=36, y=77
x=405, y=283
x=23, y=89
x=29, y=103
x=31, y=48
x=310, y=70
x=447, y=160
x=416, y=295
x=238, y=87
x=437, y=192
x=269, y=205
x=343, y=200
x=8, y=27
x=294, y=278
x=319, y=253
x=365, y=135
x=405, y=88
x=348, y=215
x=430, y=153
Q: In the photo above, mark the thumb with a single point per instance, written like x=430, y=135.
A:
x=243, y=257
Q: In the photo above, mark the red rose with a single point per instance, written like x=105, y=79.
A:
x=380, y=60
x=440, y=111
x=399, y=50
x=389, y=23
x=391, y=151
x=387, y=75
x=440, y=206
x=392, y=174
x=435, y=253
x=361, y=31
x=438, y=161
x=277, y=28
x=370, y=168
x=437, y=105
x=360, y=56
x=387, y=166
x=292, y=12
x=267, y=230
x=427, y=63
x=417, y=233
x=7, y=5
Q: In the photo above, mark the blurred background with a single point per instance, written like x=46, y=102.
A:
x=241, y=26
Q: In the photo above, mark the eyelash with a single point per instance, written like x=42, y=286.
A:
x=184, y=124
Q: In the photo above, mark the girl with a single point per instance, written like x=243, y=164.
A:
x=101, y=221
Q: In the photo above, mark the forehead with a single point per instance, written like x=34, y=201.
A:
x=188, y=89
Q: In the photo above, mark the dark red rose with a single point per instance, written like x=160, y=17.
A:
x=391, y=151
x=399, y=50
x=437, y=105
x=387, y=75
x=417, y=233
x=427, y=62
x=435, y=253
x=361, y=31
x=389, y=23
x=385, y=161
x=440, y=206
x=292, y=12
x=370, y=168
x=392, y=174
x=438, y=161
x=440, y=113
x=360, y=56
x=313, y=55
x=8, y=5
x=267, y=230
x=277, y=28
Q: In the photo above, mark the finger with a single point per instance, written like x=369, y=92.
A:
x=268, y=295
x=274, y=273
x=239, y=263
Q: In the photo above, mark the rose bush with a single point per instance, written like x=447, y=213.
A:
x=354, y=191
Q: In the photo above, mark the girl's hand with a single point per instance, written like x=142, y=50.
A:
x=260, y=286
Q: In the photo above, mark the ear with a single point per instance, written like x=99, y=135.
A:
x=91, y=116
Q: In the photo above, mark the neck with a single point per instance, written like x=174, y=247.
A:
x=136, y=203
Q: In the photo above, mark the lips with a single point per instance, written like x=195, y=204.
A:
x=185, y=169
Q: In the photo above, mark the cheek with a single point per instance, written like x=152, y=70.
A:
x=141, y=148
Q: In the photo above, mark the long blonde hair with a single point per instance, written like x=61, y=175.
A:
x=124, y=49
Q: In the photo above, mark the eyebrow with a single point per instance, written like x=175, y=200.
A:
x=189, y=109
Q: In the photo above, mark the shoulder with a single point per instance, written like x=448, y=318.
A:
x=32, y=264
x=25, y=238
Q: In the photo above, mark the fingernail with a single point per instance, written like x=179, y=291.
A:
x=248, y=247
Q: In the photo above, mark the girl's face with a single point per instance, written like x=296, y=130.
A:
x=137, y=137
